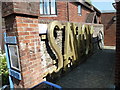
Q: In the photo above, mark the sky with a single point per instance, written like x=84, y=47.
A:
x=103, y=5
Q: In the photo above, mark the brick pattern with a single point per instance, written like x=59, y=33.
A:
x=61, y=12
x=11, y=30
x=68, y=11
x=10, y=25
x=117, y=70
x=29, y=46
x=73, y=13
x=25, y=27
x=7, y=8
x=26, y=30
x=28, y=8
x=109, y=28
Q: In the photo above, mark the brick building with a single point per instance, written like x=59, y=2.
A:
x=78, y=11
x=109, y=21
x=72, y=11
x=22, y=19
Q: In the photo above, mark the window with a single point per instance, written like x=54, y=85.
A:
x=79, y=10
x=14, y=57
x=48, y=7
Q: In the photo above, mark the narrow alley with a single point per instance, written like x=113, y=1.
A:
x=96, y=72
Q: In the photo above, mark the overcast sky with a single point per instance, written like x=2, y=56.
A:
x=103, y=5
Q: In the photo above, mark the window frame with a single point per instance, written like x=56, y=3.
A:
x=43, y=7
x=79, y=10
x=11, y=59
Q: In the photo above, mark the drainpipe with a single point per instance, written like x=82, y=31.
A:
x=68, y=10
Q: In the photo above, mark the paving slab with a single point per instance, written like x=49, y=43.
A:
x=96, y=72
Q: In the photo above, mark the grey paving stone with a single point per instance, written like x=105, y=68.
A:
x=96, y=72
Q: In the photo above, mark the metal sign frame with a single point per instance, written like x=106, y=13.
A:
x=15, y=64
x=12, y=41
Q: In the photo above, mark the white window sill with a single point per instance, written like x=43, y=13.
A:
x=79, y=14
x=48, y=15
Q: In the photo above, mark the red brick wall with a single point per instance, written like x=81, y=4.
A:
x=22, y=21
x=109, y=28
x=65, y=10
x=73, y=13
x=28, y=8
x=29, y=47
x=27, y=32
x=7, y=8
x=10, y=26
x=70, y=14
x=117, y=70
x=61, y=13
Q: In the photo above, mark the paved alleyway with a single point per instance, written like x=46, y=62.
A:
x=96, y=72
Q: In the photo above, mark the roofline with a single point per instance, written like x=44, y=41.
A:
x=96, y=9
x=92, y=8
x=117, y=0
x=108, y=13
x=86, y=6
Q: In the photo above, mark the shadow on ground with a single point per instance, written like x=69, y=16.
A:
x=96, y=72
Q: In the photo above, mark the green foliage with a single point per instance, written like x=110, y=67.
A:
x=3, y=69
